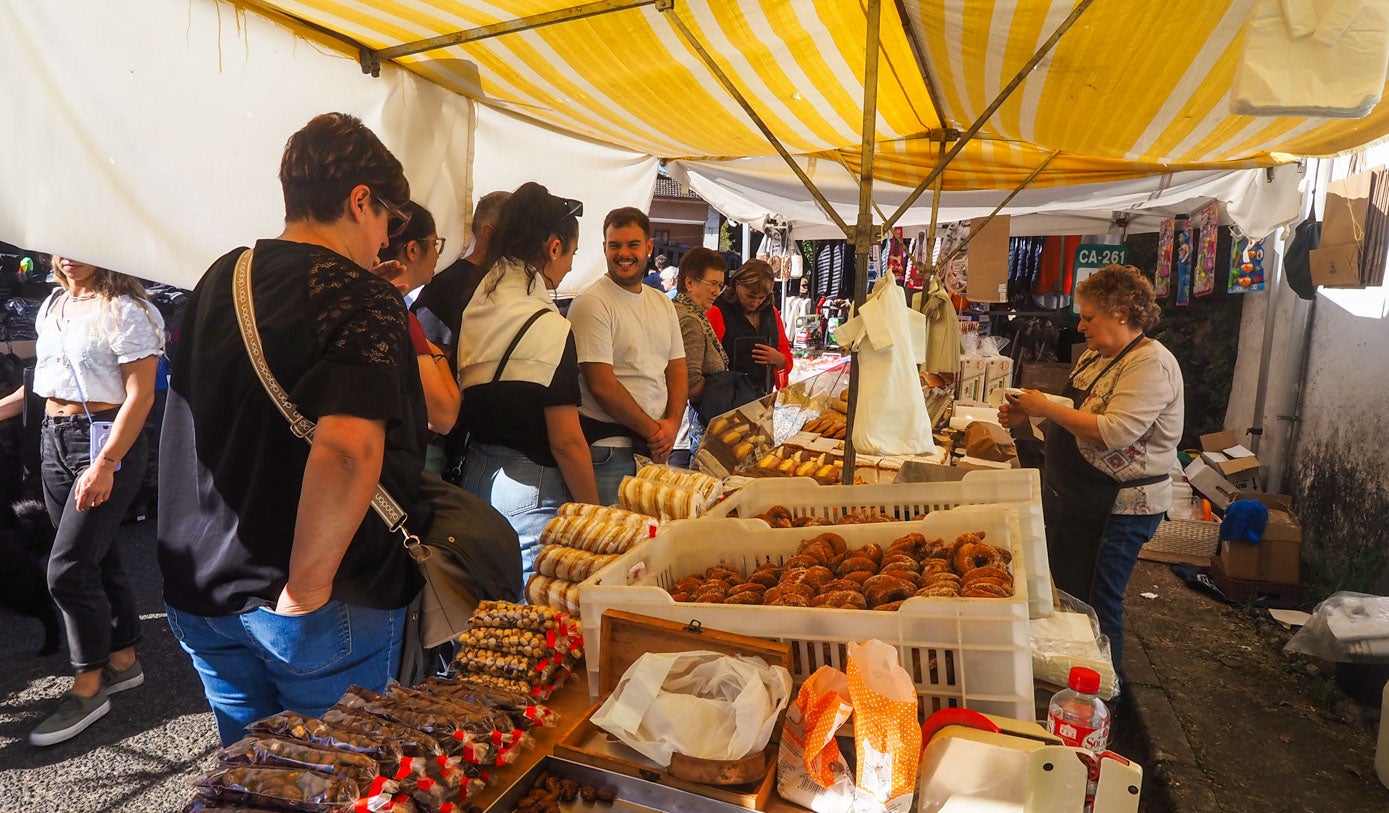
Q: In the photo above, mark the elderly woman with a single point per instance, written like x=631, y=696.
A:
x=1105, y=479
x=698, y=282
x=750, y=328
x=279, y=585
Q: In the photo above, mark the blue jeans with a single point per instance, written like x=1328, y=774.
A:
x=259, y=663
x=610, y=465
x=525, y=492
x=1124, y=536
x=85, y=574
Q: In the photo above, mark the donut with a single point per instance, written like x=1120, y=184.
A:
x=689, y=584
x=682, y=597
x=711, y=597
x=747, y=587
x=883, y=580
x=856, y=564
x=779, y=513
x=802, y=560
x=972, y=555
x=942, y=578
x=884, y=593
x=890, y=559
x=843, y=584
x=787, y=600
x=852, y=601
x=836, y=598
x=912, y=544
x=891, y=606
x=807, y=522
x=874, y=552
x=816, y=577
x=768, y=577
x=943, y=590
x=994, y=572
x=834, y=540
x=986, y=590
x=860, y=576
x=805, y=591
x=935, y=566
x=910, y=576
x=720, y=572
x=743, y=598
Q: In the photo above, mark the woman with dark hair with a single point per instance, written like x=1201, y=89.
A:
x=750, y=327
x=1105, y=473
x=279, y=585
x=519, y=371
x=697, y=283
x=408, y=262
x=99, y=342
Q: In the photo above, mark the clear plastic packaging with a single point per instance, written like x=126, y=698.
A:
x=1346, y=628
x=1071, y=637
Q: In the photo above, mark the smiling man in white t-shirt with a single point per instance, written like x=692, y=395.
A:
x=631, y=355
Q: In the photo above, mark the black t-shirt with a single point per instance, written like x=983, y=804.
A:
x=230, y=470
x=440, y=303
x=512, y=413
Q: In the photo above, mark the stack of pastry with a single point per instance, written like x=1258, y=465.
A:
x=577, y=543
x=524, y=648
x=826, y=573
x=785, y=461
x=733, y=440
x=706, y=486
x=656, y=499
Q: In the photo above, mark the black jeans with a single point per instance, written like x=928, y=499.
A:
x=85, y=574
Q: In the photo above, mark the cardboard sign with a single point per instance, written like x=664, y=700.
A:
x=987, y=274
x=1336, y=266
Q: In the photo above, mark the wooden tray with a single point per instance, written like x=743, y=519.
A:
x=627, y=636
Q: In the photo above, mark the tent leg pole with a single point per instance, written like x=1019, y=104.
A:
x=973, y=229
x=863, y=230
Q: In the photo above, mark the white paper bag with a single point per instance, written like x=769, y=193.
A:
x=890, y=416
x=700, y=704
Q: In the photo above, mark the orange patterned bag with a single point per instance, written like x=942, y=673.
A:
x=887, y=735
x=811, y=771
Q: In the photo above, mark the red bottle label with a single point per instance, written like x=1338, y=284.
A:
x=1091, y=739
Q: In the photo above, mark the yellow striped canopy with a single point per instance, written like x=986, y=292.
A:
x=1136, y=87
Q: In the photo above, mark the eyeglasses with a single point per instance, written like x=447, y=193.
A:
x=716, y=283
x=439, y=244
x=399, y=218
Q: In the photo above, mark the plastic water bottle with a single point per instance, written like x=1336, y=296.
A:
x=1077, y=715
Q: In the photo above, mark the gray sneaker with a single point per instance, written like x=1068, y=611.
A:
x=128, y=678
x=70, y=718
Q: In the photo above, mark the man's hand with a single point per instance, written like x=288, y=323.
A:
x=302, y=602
x=663, y=439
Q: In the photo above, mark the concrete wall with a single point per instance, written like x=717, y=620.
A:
x=1338, y=452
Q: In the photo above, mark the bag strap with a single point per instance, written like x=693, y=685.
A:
x=516, y=340
x=382, y=502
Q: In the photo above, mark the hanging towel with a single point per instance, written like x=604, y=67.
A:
x=1245, y=521
x=1312, y=58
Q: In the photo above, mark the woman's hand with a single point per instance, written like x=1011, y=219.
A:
x=393, y=271
x=94, y=485
x=1033, y=403
x=1011, y=416
x=768, y=355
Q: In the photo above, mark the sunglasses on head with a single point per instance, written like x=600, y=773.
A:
x=398, y=218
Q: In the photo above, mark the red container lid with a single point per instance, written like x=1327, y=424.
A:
x=1083, y=680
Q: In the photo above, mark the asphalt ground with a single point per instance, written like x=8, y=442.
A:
x=143, y=755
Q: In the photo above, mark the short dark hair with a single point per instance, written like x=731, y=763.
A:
x=695, y=262
x=327, y=159
x=487, y=210
x=627, y=216
x=525, y=224
x=421, y=225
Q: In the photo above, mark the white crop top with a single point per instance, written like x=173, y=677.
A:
x=96, y=344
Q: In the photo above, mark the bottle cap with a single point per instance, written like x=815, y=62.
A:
x=1083, y=680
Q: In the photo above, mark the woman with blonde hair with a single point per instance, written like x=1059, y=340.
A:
x=99, y=342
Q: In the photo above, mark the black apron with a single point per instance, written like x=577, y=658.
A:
x=1077, y=498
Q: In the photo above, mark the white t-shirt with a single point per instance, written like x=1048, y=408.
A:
x=93, y=345
x=637, y=333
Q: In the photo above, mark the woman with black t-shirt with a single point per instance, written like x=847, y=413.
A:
x=519, y=371
x=750, y=327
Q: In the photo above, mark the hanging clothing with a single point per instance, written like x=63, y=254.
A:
x=942, y=331
x=834, y=270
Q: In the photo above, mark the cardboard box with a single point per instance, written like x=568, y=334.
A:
x=986, y=272
x=998, y=374
x=972, y=373
x=1210, y=483
x=1047, y=376
x=1275, y=559
x=1222, y=451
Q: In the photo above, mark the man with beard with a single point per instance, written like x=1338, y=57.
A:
x=631, y=356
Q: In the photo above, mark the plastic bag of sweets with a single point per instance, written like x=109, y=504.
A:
x=436, y=784
x=410, y=741
x=294, y=726
x=483, y=723
x=524, y=712
x=209, y=804
x=450, y=735
x=285, y=788
x=282, y=753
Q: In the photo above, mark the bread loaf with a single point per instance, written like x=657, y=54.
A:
x=660, y=500
x=592, y=534
x=603, y=512
x=683, y=478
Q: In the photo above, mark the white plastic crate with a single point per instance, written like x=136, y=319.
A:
x=971, y=652
x=1020, y=489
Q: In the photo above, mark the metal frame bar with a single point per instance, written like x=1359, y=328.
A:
x=863, y=236
x=767, y=133
x=998, y=101
x=973, y=229
x=371, y=59
x=923, y=65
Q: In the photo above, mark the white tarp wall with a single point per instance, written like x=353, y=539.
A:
x=750, y=190
x=146, y=137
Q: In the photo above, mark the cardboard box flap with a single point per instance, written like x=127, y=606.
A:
x=1222, y=451
x=628, y=636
